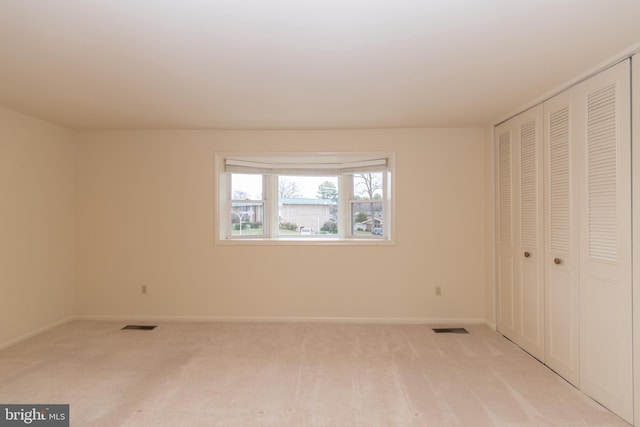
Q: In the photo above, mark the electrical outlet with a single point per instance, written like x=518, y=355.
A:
x=143, y=289
x=438, y=291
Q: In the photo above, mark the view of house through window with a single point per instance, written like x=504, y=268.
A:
x=308, y=206
x=247, y=205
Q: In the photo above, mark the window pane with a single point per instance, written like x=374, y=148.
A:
x=368, y=186
x=247, y=209
x=246, y=187
x=367, y=219
x=308, y=206
x=247, y=218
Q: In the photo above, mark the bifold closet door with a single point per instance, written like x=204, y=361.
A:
x=604, y=125
x=561, y=259
x=505, y=268
x=529, y=249
x=588, y=309
x=520, y=224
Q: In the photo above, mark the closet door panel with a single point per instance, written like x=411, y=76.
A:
x=520, y=231
x=606, y=307
x=505, y=238
x=529, y=257
x=561, y=239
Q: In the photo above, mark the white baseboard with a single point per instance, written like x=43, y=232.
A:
x=282, y=319
x=38, y=331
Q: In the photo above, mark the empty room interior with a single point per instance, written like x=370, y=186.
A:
x=331, y=213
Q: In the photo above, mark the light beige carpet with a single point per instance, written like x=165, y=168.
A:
x=292, y=374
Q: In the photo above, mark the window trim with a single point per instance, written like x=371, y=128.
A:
x=344, y=161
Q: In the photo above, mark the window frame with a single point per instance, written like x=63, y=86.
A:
x=346, y=236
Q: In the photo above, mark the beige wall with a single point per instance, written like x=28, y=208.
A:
x=37, y=225
x=146, y=216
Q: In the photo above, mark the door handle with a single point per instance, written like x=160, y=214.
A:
x=557, y=260
x=527, y=254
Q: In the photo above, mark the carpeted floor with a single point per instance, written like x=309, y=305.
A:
x=290, y=374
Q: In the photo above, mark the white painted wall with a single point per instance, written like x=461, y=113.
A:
x=37, y=225
x=146, y=216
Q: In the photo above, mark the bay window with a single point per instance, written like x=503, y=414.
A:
x=310, y=197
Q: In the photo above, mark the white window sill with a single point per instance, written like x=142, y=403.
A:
x=304, y=241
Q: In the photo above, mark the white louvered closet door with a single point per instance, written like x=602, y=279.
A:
x=561, y=260
x=565, y=284
x=529, y=254
x=606, y=372
x=521, y=272
x=505, y=233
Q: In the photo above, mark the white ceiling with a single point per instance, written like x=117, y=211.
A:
x=298, y=64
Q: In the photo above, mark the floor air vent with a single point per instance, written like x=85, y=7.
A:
x=140, y=327
x=450, y=331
